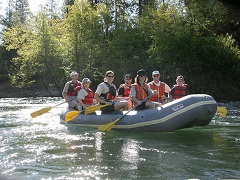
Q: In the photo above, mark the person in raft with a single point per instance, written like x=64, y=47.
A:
x=180, y=89
x=124, y=90
x=160, y=87
x=140, y=90
x=85, y=95
x=106, y=93
x=70, y=90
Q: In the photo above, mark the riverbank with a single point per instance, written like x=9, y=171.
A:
x=38, y=90
x=35, y=90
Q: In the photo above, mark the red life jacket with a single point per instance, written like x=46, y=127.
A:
x=89, y=98
x=179, y=91
x=126, y=90
x=160, y=89
x=72, y=88
x=111, y=94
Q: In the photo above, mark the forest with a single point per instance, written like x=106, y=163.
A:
x=197, y=39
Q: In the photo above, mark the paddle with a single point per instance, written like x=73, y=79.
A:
x=221, y=111
x=43, y=111
x=108, y=127
x=90, y=109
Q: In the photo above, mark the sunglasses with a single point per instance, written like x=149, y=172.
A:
x=155, y=75
x=142, y=76
x=110, y=76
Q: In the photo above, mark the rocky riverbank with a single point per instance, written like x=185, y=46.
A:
x=8, y=91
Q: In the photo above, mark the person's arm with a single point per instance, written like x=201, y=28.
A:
x=116, y=97
x=170, y=95
x=97, y=97
x=120, y=91
x=150, y=91
x=133, y=96
x=167, y=89
x=99, y=91
x=65, y=90
x=81, y=95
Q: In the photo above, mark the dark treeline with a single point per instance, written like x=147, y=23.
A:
x=196, y=39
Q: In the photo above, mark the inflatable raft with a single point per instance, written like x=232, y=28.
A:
x=186, y=112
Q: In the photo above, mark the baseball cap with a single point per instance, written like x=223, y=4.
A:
x=73, y=73
x=180, y=77
x=141, y=72
x=155, y=72
x=85, y=80
x=128, y=76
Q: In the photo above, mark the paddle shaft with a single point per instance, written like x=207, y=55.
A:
x=134, y=107
x=43, y=110
x=90, y=109
x=108, y=127
x=59, y=104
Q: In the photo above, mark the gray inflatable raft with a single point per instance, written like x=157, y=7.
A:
x=186, y=112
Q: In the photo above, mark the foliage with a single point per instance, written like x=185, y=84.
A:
x=191, y=49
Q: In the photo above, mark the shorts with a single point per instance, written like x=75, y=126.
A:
x=73, y=101
x=141, y=106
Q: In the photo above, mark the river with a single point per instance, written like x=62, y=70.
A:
x=43, y=148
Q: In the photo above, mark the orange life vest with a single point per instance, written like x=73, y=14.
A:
x=141, y=91
x=160, y=89
x=89, y=97
x=72, y=88
x=126, y=90
x=179, y=91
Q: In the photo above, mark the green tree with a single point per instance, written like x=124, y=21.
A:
x=184, y=43
x=84, y=37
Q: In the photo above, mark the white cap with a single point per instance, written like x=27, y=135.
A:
x=73, y=73
x=155, y=72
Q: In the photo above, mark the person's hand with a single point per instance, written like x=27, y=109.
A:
x=154, y=92
x=164, y=97
x=77, y=88
x=66, y=99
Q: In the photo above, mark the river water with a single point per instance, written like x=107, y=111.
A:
x=42, y=148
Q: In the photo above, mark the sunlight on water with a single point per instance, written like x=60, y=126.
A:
x=43, y=148
x=130, y=153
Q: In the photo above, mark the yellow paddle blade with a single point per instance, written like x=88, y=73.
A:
x=71, y=115
x=221, y=111
x=91, y=109
x=40, y=112
x=44, y=110
x=108, y=127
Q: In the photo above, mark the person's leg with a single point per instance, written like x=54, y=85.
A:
x=157, y=104
x=141, y=106
x=73, y=103
x=149, y=105
x=121, y=105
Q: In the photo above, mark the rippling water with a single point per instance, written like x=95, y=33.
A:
x=42, y=148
